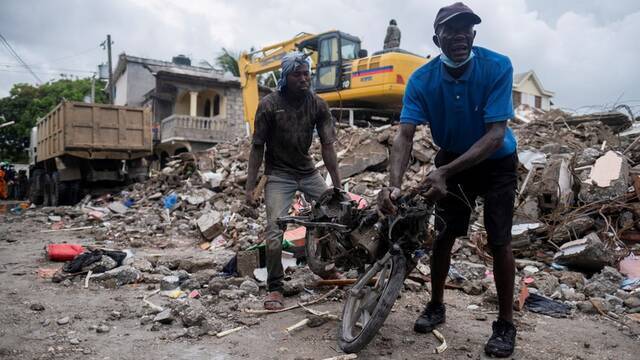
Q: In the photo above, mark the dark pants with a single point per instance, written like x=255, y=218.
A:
x=493, y=179
x=279, y=194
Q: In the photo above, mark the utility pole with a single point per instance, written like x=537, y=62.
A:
x=107, y=45
x=110, y=69
x=93, y=88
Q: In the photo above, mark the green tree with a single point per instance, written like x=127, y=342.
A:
x=228, y=61
x=27, y=103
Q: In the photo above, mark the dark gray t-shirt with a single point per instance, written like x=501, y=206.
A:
x=288, y=132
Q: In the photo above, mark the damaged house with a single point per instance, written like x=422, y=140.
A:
x=194, y=107
x=528, y=90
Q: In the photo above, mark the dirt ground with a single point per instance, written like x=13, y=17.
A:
x=29, y=334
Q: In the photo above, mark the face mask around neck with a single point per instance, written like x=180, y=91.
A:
x=450, y=63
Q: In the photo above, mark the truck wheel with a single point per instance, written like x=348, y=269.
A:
x=55, y=188
x=36, y=185
x=72, y=192
x=46, y=190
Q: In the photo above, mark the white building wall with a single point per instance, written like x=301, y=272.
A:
x=121, y=90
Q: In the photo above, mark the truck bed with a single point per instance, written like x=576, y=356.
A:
x=94, y=131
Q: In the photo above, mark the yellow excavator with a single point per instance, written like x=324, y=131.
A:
x=343, y=74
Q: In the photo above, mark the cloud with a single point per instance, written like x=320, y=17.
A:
x=582, y=50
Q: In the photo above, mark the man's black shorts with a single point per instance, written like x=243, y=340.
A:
x=493, y=179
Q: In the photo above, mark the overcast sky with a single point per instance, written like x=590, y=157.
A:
x=585, y=51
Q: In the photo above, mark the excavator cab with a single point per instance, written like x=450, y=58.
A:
x=335, y=51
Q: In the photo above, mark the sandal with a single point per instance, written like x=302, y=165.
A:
x=274, y=301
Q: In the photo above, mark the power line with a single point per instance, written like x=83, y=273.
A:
x=78, y=54
x=40, y=72
x=15, y=54
x=10, y=66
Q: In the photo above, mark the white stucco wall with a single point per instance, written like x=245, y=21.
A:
x=121, y=90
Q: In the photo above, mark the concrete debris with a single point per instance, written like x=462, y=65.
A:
x=608, y=179
x=118, y=207
x=572, y=229
x=605, y=282
x=119, y=276
x=164, y=317
x=588, y=253
x=210, y=225
x=169, y=283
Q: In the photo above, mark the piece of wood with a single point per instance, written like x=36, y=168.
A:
x=86, y=279
x=259, y=189
x=150, y=304
x=522, y=297
x=443, y=346
x=69, y=229
x=321, y=298
x=343, y=357
x=342, y=282
x=636, y=185
x=630, y=235
x=297, y=325
x=230, y=331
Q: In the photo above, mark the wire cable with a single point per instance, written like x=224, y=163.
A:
x=15, y=55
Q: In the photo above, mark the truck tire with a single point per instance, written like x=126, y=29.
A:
x=56, y=190
x=46, y=190
x=36, y=187
x=72, y=192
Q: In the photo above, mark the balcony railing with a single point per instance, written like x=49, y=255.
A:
x=196, y=128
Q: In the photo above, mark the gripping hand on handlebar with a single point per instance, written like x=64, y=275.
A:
x=387, y=198
x=435, y=185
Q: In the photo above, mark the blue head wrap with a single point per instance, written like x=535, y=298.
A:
x=289, y=63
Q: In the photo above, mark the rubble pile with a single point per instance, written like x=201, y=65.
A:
x=576, y=223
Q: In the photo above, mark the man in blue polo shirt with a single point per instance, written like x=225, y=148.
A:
x=464, y=95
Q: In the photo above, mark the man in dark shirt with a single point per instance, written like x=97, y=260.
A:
x=464, y=95
x=285, y=122
x=392, y=39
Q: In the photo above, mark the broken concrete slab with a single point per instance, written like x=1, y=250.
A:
x=608, y=179
x=169, y=283
x=366, y=155
x=210, y=224
x=164, y=317
x=573, y=229
x=198, y=196
x=588, y=253
x=117, y=207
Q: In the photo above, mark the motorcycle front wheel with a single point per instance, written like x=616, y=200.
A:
x=369, y=302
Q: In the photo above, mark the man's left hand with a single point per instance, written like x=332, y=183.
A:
x=436, y=182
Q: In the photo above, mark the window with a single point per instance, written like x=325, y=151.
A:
x=207, y=108
x=538, y=102
x=517, y=98
x=327, y=76
x=329, y=50
x=216, y=105
x=349, y=50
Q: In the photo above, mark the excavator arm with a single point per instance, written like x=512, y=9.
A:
x=259, y=62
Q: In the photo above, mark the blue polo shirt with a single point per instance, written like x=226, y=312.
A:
x=458, y=109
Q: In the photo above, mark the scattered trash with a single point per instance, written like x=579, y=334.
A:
x=543, y=305
x=64, y=252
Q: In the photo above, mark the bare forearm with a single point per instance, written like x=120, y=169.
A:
x=400, y=154
x=330, y=159
x=255, y=160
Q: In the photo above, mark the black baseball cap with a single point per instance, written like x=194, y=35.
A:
x=457, y=9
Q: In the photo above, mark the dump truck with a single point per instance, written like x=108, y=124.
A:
x=78, y=145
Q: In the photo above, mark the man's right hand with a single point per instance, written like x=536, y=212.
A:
x=250, y=199
x=386, y=200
